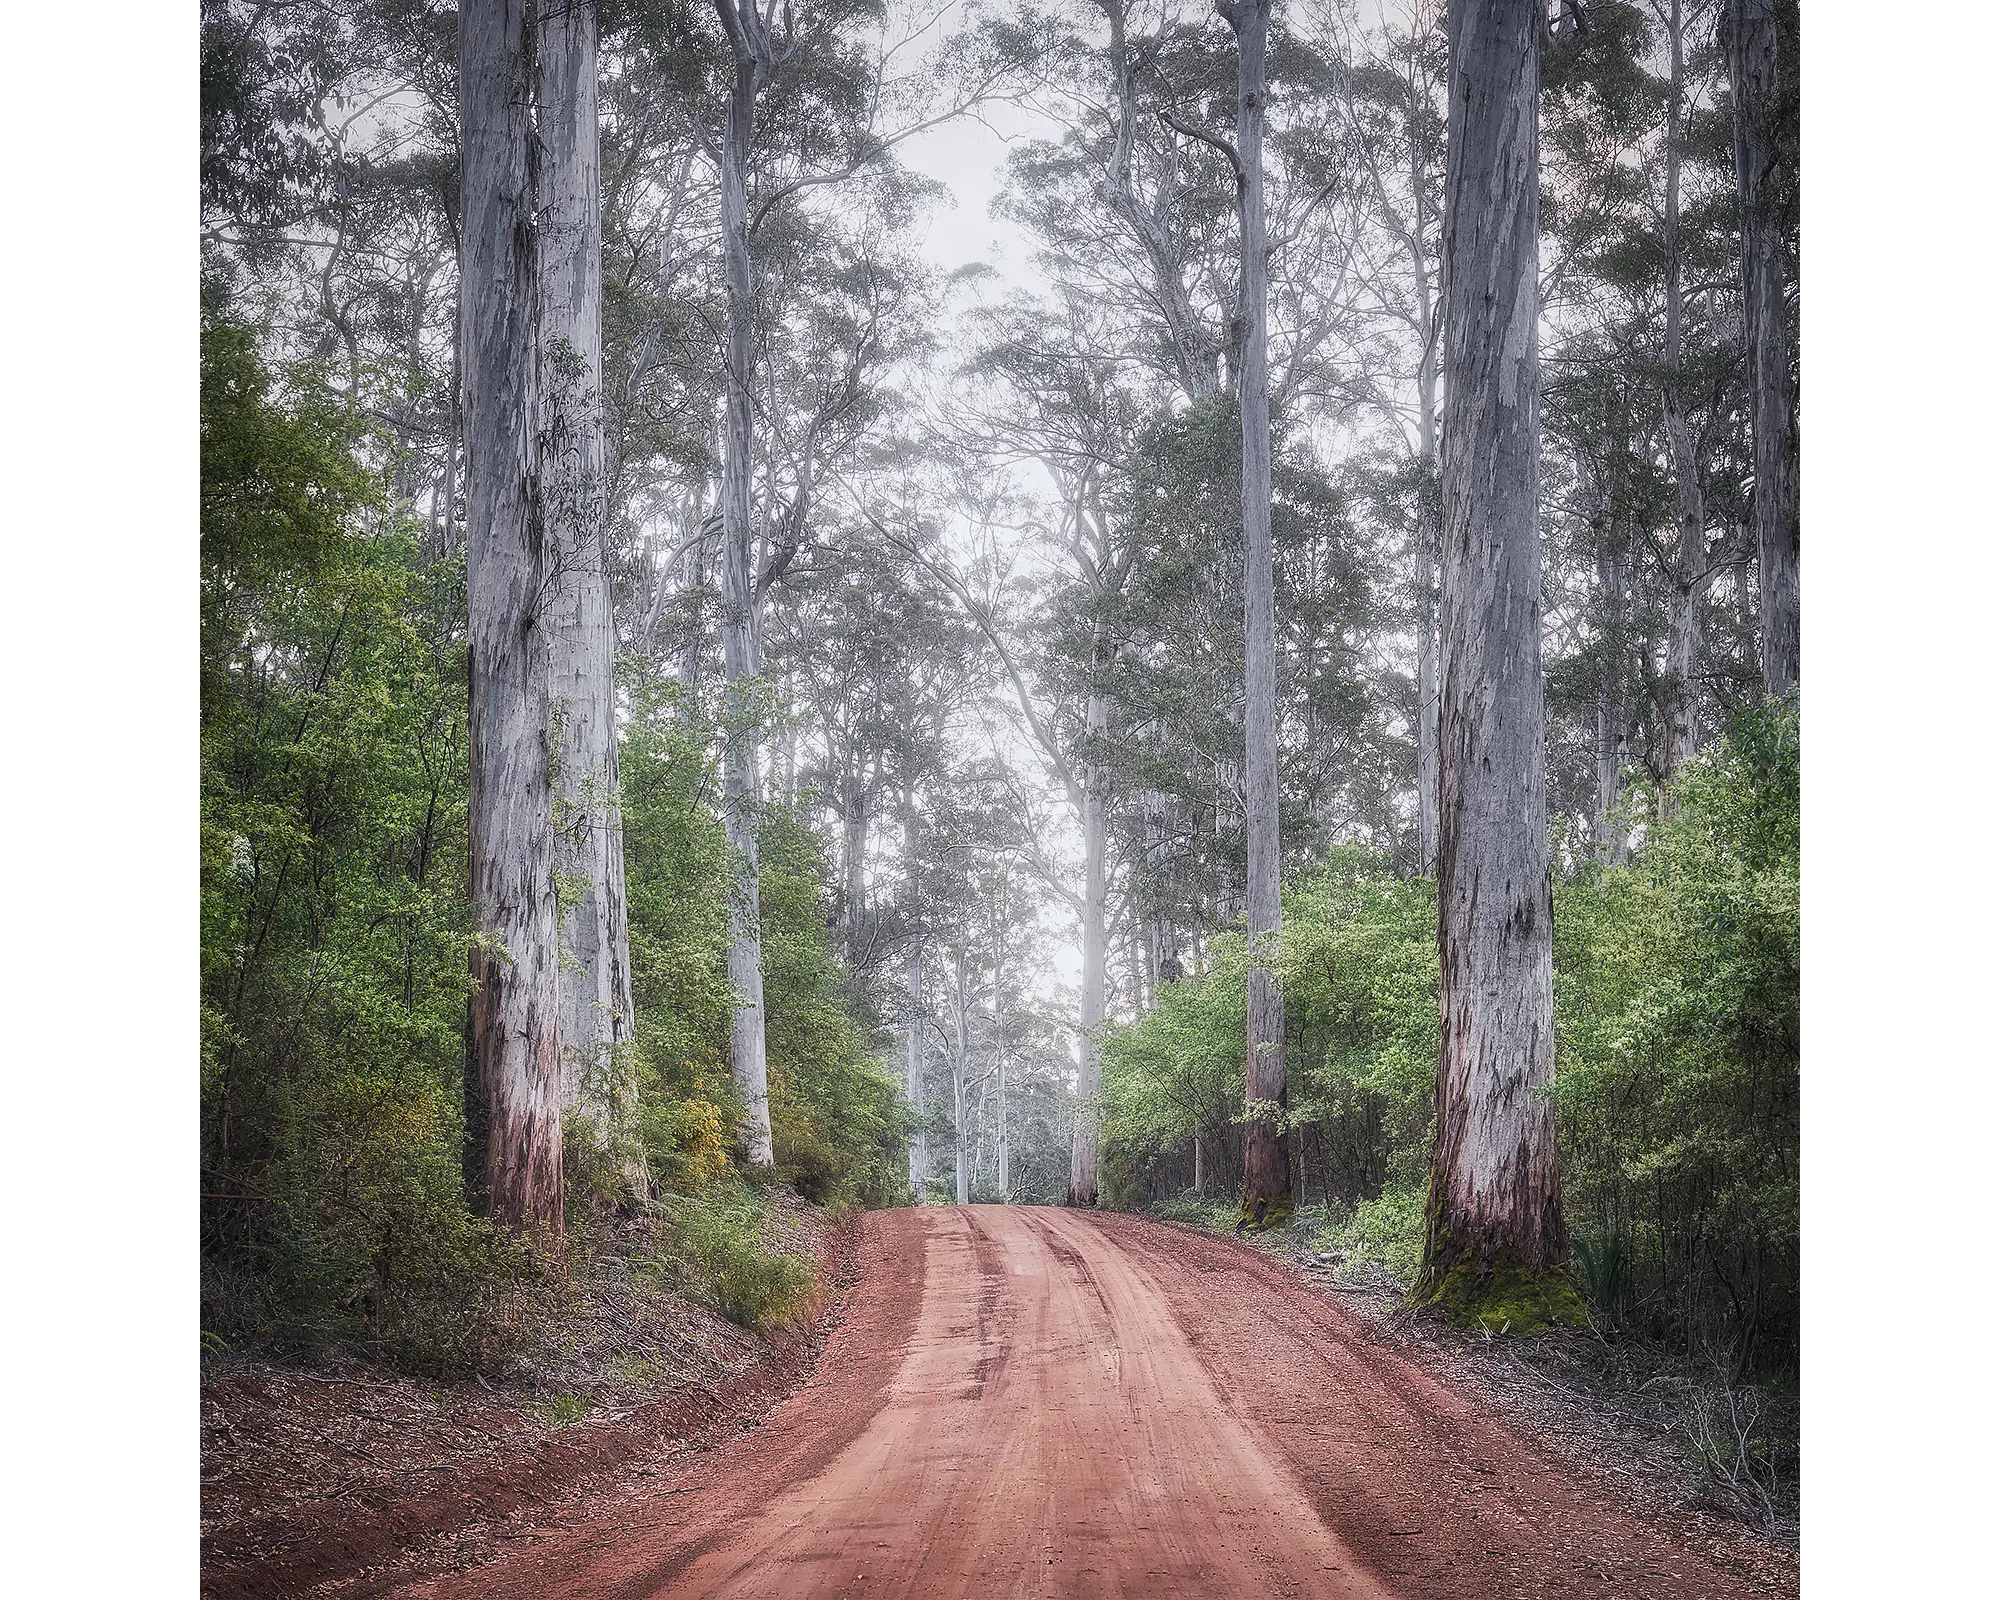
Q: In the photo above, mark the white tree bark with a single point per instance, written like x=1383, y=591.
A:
x=515, y=1074
x=913, y=1012
x=1610, y=839
x=1493, y=1194
x=1266, y=1180
x=595, y=983
x=1089, y=1077
x=1690, y=545
x=1756, y=93
x=741, y=791
x=961, y=1066
x=1003, y=1173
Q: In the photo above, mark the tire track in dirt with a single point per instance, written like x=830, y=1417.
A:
x=1029, y=1402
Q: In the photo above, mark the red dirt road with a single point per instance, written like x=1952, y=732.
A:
x=1035, y=1402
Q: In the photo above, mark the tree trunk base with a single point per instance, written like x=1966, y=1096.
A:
x=1265, y=1215
x=1498, y=1294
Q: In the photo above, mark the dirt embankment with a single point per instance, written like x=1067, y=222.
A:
x=326, y=1479
x=1662, y=1431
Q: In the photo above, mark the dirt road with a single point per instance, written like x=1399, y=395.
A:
x=1034, y=1402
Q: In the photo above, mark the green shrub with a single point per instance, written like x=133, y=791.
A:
x=1677, y=1052
x=1386, y=1231
x=716, y=1235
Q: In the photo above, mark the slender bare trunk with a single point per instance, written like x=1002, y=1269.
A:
x=741, y=790
x=853, y=854
x=1608, y=836
x=697, y=587
x=1003, y=1174
x=1690, y=535
x=595, y=984
x=1158, y=920
x=913, y=1011
x=1760, y=101
x=516, y=1066
x=446, y=534
x=1427, y=626
x=960, y=1067
x=1083, y=1141
x=1493, y=1192
x=1266, y=1176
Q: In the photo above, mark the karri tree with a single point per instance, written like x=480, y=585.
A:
x=1762, y=40
x=514, y=1078
x=1494, y=1215
x=1267, y=1178
x=595, y=981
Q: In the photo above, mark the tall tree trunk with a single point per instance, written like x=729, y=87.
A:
x=853, y=854
x=1267, y=1186
x=1493, y=1193
x=697, y=587
x=1690, y=560
x=1158, y=919
x=516, y=1056
x=595, y=983
x=960, y=1066
x=741, y=792
x=1761, y=102
x=1083, y=1141
x=1427, y=625
x=1002, y=1174
x=1607, y=835
x=913, y=1007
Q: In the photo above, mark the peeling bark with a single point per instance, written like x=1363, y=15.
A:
x=595, y=982
x=1493, y=1189
x=516, y=1062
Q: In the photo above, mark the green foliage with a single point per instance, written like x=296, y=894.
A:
x=1386, y=1232
x=1676, y=1075
x=716, y=1234
x=1677, y=1027
x=334, y=933
x=836, y=1116
x=1358, y=963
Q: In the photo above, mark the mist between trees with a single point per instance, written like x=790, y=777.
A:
x=673, y=716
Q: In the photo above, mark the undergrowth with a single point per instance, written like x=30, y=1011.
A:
x=714, y=1235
